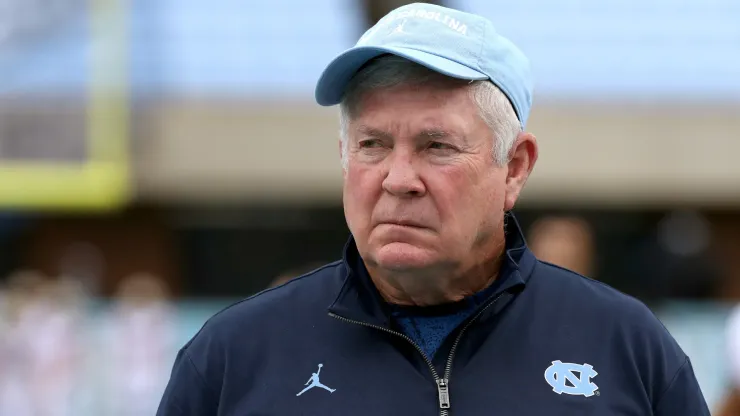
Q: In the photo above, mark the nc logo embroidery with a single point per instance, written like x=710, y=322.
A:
x=314, y=382
x=399, y=29
x=559, y=373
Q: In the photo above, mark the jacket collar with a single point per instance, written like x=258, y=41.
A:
x=359, y=299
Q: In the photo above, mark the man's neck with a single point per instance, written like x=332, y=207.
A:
x=429, y=287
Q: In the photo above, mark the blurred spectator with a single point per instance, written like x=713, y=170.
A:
x=53, y=334
x=731, y=404
x=43, y=346
x=564, y=241
x=141, y=344
x=291, y=274
x=85, y=263
x=674, y=260
x=22, y=286
x=15, y=361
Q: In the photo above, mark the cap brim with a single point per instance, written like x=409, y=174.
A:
x=336, y=76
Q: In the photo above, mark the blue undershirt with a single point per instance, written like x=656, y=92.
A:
x=429, y=326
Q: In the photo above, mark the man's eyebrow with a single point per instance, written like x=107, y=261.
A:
x=372, y=132
x=434, y=134
x=429, y=133
x=438, y=133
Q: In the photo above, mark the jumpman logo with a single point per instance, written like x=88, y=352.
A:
x=314, y=382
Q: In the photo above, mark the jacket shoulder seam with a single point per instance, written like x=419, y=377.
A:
x=202, y=379
x=588, y=279
x=670, y=385
x=260, y=293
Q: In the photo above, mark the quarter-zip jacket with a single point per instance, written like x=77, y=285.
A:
x=547, y=342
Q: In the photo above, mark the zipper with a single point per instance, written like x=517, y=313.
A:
x=443, y=384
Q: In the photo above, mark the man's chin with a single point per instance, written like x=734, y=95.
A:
x=403, y=256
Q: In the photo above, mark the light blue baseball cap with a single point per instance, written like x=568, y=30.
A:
x=453, y=43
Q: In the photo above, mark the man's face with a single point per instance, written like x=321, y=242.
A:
x=421, y=189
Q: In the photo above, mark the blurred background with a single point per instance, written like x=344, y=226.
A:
x=160, y=159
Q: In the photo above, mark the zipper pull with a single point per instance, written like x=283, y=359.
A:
x=444, y=393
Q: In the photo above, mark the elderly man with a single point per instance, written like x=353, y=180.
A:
x=438, y=306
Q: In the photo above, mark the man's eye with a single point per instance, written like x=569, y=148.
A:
x=368, y=144
x=439, y=146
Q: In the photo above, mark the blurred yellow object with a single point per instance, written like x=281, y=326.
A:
x=102, y=181
x=92, y=185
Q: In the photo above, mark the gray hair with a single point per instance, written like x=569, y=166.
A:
x=388, y=71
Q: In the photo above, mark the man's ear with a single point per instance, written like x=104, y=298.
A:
x=522, y=158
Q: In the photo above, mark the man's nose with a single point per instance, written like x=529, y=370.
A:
x=402, y=178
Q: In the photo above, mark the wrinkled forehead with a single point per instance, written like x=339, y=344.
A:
x=443, y=94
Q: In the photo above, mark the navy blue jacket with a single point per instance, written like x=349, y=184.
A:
x=548, y=342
